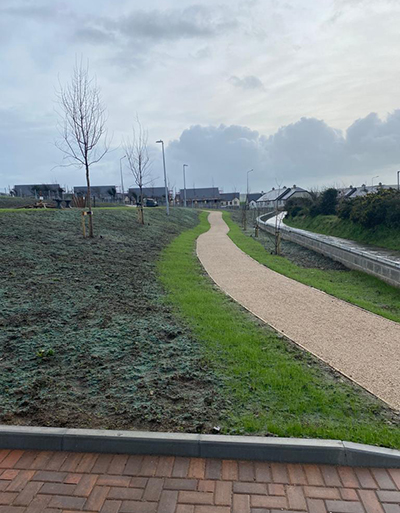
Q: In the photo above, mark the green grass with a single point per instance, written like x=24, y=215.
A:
x=271, y=386
x=331, y=225
x=353, y=286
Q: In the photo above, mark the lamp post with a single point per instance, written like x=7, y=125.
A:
x=122, y=180
x=372, y=181
x=247, y=196
x=184, y=184
x=165, y=175
x=398, y=180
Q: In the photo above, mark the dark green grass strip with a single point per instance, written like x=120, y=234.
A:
x=352, y=286
x=271, y=386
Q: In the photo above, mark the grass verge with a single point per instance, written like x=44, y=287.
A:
x=271, y=386
x=331, y=225
x=352, y=286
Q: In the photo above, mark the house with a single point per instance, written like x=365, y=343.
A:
x=202, y=197
x=277, y=198
x=45, y=190
x=230, y=199
x=98, y=192
x=156, y=193
x=253, y=198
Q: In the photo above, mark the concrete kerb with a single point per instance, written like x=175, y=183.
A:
x=284, y=450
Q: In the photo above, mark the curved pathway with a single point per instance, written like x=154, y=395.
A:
x=363, y=346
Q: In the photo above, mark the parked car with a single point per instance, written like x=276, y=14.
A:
x=150, y=202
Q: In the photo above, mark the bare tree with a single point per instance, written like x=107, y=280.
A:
x=83, y=132
x=139, y=162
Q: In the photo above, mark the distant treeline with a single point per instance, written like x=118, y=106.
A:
x=381, y=208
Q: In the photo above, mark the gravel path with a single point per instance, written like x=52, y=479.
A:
x=363, y=346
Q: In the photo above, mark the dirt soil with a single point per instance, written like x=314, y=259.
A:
x=86, y=338
x=298, y=255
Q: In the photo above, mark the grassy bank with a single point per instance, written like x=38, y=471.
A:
x=271, y=386
x=332, y=225
x=355, y=287
x=85, y=337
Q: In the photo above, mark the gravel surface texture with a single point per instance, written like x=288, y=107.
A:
x=361, y=345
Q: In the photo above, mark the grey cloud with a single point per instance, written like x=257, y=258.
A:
x=248, y=82
x=94, y=35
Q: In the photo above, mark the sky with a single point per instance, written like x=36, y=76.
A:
x=302, y=92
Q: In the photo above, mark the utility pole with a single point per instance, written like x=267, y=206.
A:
x=184, y=185
x=122, y=179
x=165, y=176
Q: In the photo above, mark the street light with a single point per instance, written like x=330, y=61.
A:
x=248, y=172
x=372, y=181
x=122, y=180
x=398, y=180
x=165, y=176
x=184, y=184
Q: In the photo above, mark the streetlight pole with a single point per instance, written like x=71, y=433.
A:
x=165, y=176
x=372, y=181
x=398, y=180
x=248, y=172
x=122, y=180
x=184, y=184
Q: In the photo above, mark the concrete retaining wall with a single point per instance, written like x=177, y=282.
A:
x=351, y=256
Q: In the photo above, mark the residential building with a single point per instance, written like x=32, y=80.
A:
x=202, y=197
x=277, y=198
x=230, y=199
x=45, y=190
x=156, y=193
x=98, y=192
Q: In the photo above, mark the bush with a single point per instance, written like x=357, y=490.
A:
x=298, y=206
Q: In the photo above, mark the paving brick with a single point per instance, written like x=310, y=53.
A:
x=111, y=506
x=240, y=503
x=382, y=477
x=387, y=496
x=49, y=476
x=229, y=470
x=394, y=474
x=246, y=471
x=102, y=464
x=197, y=468
x=168, y=501
x=3, y=485
x=87, y=463
x=106, y=480
x=317, y=492
x=280, y=473
x=391, y=508
x=96, y=499
x=348, y=477
x=266, y=501
x=73, y=478
x=149, y=466
x=370, y=501
x=9, y=474
x=349, y=494
x=86, y=485
x=38, y=504
x=117, y=464
x=7, y=498
x=71, y=463
x=206, y=485
x=180, y=484
x=250, y=488
x=296, y=498
x=212, y=509
x=313, y=474
x=213, y=469
x=181, y=467
x=365, y=478
x=27, y=495
x=263, y=472
x=344, y=507
x=56, y=461
x=64, y=502
x=20, y=481
x=58, y=489
x=330, y=475
x=4, y=453
x=42, y=460
x=133, y=465
x=12, y=509
x=276, y=489
x=153, y=489
x=297, y=475
x=138, y=507
x=223, y=493
x=165, y=466
x=26, y=460
x=11, y=459
x=316, y=506
x=126, y=494
x=184, y=508
x=186, y=497
x=138, y=482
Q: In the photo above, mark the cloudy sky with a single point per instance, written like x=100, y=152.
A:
x=302, y=92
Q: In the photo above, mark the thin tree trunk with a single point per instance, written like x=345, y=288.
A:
x=89, y=203
x=141, y=211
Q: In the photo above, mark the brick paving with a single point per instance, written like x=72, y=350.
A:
x=50, y=482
